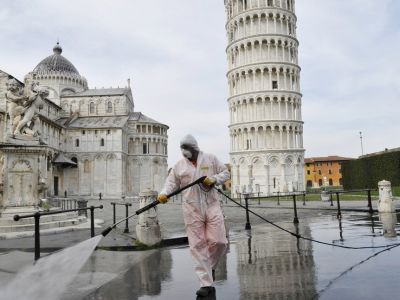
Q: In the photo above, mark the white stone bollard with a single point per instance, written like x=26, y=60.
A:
x=389, y=221
x=385, y=204
x=148, y=229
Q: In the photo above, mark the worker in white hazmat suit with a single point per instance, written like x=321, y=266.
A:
x=202, y=212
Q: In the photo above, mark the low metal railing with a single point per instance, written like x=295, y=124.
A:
x=38, y=214
x=114, y=204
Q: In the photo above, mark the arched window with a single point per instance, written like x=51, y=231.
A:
x=102, y=142
x=309, y=183
x=320, y=182
x=91, y=107
x=77, y=143
x=109, y=107
x=330, y=181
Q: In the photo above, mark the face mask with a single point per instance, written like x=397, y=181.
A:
x=186, y=153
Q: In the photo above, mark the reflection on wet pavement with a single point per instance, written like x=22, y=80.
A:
x=266, y=263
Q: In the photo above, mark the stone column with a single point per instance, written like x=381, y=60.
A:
x=267, y=179
x=385, y=204
x=148, y=229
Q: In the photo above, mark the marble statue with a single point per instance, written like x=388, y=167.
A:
x=23, y=109
x=14, y=98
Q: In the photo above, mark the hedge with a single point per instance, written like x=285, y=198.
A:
x=366, y=172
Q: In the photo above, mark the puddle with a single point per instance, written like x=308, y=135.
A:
x=271, y=264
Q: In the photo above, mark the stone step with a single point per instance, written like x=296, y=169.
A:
x=9, y=221
x=43, y=225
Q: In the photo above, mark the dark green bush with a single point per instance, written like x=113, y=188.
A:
x=366, y=172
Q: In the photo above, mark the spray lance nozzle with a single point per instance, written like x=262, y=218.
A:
x=153, y=204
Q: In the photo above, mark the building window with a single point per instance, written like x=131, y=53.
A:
x=340, y=181
x=108, y=131
x=86, y=166
x=248, y=144
x=309, y=183
x=274, y=85
x=91, y=108
x=75, y=160
x=330, y=171
x=156, y=147
x=77, y=143
x=102, y=142
x=109, y=107
x=95, y=132
x=274, y=182
x=48, y=163
x=145, y=148
x=330, y=181
x=307, y=165
x=320, y=182
x=83, y=132
x=308, y=172
x=319, y=172
x=269, y=3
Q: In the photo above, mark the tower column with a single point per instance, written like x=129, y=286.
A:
x=278, y=81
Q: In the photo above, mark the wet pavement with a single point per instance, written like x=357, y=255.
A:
x=264, y=263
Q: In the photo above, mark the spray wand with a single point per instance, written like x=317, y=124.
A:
x=153, y=204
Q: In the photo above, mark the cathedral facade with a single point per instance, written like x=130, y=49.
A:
x=266, y=127
x=95, y=142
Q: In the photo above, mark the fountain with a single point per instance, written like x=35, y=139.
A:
x=24, y=159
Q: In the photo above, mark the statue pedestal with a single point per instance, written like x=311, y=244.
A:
x=23, y=174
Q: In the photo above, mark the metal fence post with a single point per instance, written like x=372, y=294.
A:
x=126, y=230
x=92, y=221
x=304, y=198
x=331, y=199
x=248, y=226
x=37, y=235
x=339, y=213
x=296, y=219
x=114, y=213
x=278, y=199
x=371, y=211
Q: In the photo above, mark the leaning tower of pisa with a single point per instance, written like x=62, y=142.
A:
x=266, y=127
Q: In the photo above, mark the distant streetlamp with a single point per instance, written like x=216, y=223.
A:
x=362, y=148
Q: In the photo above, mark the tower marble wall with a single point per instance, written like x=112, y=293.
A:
x=266, y=127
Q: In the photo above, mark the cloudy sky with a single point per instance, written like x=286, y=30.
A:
x=174, y=52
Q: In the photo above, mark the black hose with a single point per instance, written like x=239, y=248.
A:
x=302, y=237
x=153, y=204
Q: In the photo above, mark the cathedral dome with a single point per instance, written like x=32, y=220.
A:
x=56, y=63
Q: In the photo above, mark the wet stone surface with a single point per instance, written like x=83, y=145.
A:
x=264, y=263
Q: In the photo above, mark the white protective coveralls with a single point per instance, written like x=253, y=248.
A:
x=202, y=212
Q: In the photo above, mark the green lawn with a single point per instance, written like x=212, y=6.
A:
x=316, y=196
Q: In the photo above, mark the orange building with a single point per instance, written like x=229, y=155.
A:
x=324, y=171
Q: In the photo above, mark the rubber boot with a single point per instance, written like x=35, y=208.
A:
x=204, y=291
